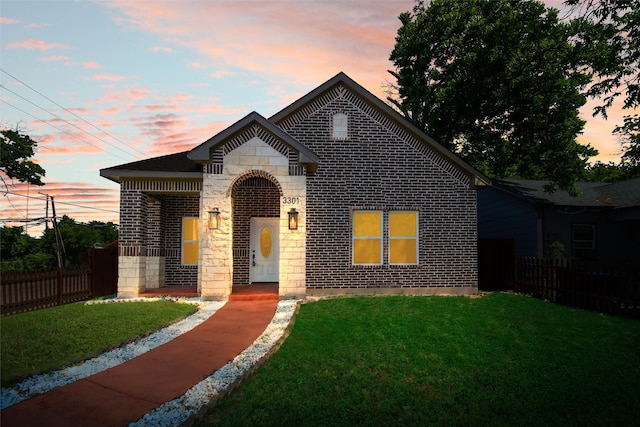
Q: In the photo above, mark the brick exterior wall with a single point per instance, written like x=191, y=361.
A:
x=253, y=197
x=176, y=207
x=150, y=236
x=379, y=167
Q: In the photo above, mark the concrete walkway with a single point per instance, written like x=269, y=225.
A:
x=124, y=393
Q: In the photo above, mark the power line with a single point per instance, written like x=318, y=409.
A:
x=61, y=203
x=36, y=220
x=74, y=114
x=60, y=129
x=60, y=118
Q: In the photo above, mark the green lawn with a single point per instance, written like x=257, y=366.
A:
x=397, y=361
x=38, y=340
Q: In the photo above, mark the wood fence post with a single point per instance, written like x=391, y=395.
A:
x=60, y=285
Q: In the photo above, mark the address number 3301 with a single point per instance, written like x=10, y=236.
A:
x=291, y=200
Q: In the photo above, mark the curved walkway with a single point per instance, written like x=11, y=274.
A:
x=124, y=393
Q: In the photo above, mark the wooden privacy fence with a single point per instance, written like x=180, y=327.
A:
x=612, y=290
x=32, y=290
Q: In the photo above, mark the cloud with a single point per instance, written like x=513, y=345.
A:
x=91, y=64
x=302, y=42
x=8, y=21
x=56, y=58
x=222, y=73
x=34, y=44
x=126, y=97
x=196, y=65
x=161, y=49
x=108, y=77
x=36, y=25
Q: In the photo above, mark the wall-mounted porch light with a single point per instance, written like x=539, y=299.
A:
x=214, y=219
x=293, y=219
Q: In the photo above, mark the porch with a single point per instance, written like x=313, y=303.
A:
x=256, y=291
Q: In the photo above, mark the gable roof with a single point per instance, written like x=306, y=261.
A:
x=187, y=164
x=476, y=177
x=201, y=153
x=176, y=165
x=621, y=194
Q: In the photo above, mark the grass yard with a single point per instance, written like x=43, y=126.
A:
x=396, y=361
x=38, y=340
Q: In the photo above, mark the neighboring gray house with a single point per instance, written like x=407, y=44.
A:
x=335, y=194
x=601, y=225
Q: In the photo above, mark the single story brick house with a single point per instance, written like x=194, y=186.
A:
x=335, y=194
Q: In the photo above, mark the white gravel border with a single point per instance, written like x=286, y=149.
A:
x=39, y=384
x=199, y=397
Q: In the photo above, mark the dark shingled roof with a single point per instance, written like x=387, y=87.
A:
x=172, y=165
x=185, y=165
x=593, y=194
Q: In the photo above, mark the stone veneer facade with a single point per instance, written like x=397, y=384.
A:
x=247, y=157
x=375, y=165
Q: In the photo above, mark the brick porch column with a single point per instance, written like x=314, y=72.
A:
x=132, y=262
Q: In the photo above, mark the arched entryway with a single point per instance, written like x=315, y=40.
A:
x=255, y=199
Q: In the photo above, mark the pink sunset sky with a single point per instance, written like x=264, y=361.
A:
x=103, y=83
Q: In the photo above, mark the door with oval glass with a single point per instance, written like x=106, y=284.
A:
x=264, y=244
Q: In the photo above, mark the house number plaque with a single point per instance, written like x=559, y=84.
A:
x=291, y=200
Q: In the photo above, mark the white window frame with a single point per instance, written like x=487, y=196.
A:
x=338, y=131
x=416, y=237
x=183, y=241
x=379, y=238
x=580, y=245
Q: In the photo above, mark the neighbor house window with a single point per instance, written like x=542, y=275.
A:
x=367, y=237
x=403, y=238
x=340, y=126
x=190, y=243
x=584, y=240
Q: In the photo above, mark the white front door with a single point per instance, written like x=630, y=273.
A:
x=265, y=250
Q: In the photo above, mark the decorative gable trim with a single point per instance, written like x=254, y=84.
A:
x=251, y=126
x=341, y=86
x=162, y=186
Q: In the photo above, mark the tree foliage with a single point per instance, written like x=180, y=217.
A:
x=498, y=82
x=610, y=37
x=23, y=252
x=609, y=172
x=77, y=237
x=16, y=151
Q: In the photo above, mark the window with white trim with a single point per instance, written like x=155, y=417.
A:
x=403, y=238
x=190, y=242
x=584, y=241
x=367, y=238
x=340, y=126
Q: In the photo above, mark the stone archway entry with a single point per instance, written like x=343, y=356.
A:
x=256, y=198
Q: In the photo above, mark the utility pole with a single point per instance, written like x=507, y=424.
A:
x=46, y=214
x=56, y=231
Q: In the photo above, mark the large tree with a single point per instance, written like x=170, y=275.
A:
x=498, y=82
x=16, y=151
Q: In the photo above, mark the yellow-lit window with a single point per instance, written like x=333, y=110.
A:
x=403, y=238
x=190, y=243
x=367, y=237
